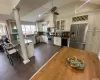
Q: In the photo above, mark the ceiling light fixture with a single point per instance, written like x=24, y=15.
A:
x=39, y=15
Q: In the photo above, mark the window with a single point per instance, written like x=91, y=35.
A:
x=2, y=30
x=28, y=29
x=23, y=29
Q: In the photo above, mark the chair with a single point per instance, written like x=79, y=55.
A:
x=12, y=52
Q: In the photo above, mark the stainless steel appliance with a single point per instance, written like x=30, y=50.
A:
x=50, y=40
x=78, y=36
x=64, y=38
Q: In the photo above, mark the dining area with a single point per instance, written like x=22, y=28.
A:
x=13, y=49
x=10, y=50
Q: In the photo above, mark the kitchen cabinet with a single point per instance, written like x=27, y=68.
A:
x=57, y=41
x=42, y=27
x=63, y=24
x=93, y=39
x=44, y=39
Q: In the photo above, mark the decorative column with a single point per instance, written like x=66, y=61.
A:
x=21, y=37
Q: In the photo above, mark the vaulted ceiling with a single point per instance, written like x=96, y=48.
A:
x=6, y=7
x=31, y=9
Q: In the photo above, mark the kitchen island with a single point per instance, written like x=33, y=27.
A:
x=57, y=69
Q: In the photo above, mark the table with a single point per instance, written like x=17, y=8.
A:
x=56, y=68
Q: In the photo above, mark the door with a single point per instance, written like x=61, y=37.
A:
x=82, y=31
x=74, y=32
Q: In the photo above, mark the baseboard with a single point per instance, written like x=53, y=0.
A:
x=26, y=61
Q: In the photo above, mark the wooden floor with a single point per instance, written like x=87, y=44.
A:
x=43, y=53
x=58, y=69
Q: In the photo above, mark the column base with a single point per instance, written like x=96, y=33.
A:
x=26, y=61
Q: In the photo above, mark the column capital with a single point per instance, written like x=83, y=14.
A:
x=16, y=9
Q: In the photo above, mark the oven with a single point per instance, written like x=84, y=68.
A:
x=64, y=41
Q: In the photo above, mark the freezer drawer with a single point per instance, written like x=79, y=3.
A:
x=77, y=45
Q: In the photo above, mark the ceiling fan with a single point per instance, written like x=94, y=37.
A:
x=53, y=10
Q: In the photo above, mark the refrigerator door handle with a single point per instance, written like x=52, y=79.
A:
x=77, y=34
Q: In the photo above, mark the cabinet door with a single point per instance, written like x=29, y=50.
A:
x=41, y=39
x=93, y=41
x=40, y=28
x=58, y=40
x=68, y=24
x=96, y=42
x=46, y=39
x=54, y=40
x=44, y=28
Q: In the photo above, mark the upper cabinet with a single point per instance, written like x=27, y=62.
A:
x=63, y=24
x=42, y=26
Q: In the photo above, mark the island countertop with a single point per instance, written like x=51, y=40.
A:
x=56, y=68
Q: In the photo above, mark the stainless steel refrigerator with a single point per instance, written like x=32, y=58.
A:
x=78, y=36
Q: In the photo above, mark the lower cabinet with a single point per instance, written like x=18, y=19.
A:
x=44, y=39
x=57, y=41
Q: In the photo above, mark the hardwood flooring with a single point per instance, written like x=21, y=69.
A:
x=43, y=52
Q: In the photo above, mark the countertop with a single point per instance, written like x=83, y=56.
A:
x=27, y=41
x=56, y=69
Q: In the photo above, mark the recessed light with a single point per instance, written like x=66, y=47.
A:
x=39, y=15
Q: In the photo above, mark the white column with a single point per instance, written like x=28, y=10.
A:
x=21, y=37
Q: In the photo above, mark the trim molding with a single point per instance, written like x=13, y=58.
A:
x=26, y=61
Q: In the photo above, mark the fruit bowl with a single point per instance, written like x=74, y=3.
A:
x=76, y=63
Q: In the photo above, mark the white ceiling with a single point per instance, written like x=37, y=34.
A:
x=30, y=9
x=30, y=12
x=27, y=6
x=6, y=7
x=93, y=1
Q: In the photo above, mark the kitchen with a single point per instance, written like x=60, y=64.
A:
x=90, y=17
x=49, y=35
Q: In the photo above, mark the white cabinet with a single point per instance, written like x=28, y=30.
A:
x=42, y=27
x=67, y=24
x=44, y=39
x=57, y=41
x=93, y=39
x=30, y=49
x=41, y=39
x=64, y=26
